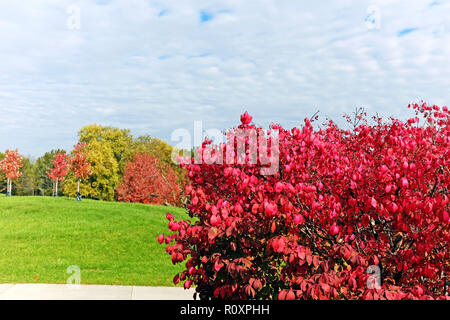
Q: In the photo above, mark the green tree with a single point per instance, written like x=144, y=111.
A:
x=44, y=183
x=153, y=146
x=28, y=183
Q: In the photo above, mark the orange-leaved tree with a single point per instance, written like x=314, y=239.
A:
x=146, y=180
x=10, y=165
x=60, y=168
x=80, y=165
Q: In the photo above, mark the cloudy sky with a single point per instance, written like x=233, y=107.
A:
x=157, y=66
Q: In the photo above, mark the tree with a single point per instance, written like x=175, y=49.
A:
x=28, y=183
x=105, y=177
x=79, y=165
x=118, y=140
x=3, y=179
x=45, y=185
x=10, y=165
x=60, y=168
x=160, y=150
x=154, y=146
x=145, y=181
x=106, y=152
x=349, y=214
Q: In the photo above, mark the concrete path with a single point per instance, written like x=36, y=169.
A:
x=91, y=292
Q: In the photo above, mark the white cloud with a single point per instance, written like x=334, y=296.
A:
x=131, y=66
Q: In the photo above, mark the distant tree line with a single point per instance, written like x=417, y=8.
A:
x=110, y=151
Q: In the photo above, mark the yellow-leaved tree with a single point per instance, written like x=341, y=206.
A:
x=107, y=149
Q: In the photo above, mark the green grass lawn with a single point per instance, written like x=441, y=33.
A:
x=112, y=243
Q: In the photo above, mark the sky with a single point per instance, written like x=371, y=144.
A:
x=157, y=66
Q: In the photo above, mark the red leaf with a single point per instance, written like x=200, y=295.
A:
x=290, y=295
x=282, y=295
x=316, y=261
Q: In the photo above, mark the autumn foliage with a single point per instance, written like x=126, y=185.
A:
x=60, y=168
x=344, y=204
x=10, y=165
x=79, y=163
x=146, y=180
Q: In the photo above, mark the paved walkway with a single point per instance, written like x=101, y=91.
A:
x=91, y=292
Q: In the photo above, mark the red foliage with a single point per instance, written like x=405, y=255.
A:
x=11, y=164
x=79, y=164
x=343, y=206
x=60, y=167
x=145, y=181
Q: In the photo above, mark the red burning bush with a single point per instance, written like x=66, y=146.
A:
x=146, y=181
x=360, y=214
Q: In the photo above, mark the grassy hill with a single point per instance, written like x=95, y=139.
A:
x=111, y=242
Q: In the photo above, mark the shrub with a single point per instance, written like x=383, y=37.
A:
x=146, y=181
x=345, y=207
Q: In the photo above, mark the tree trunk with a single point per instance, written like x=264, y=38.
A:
x=56, y=188
x=78, y=190
x=8, y=187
